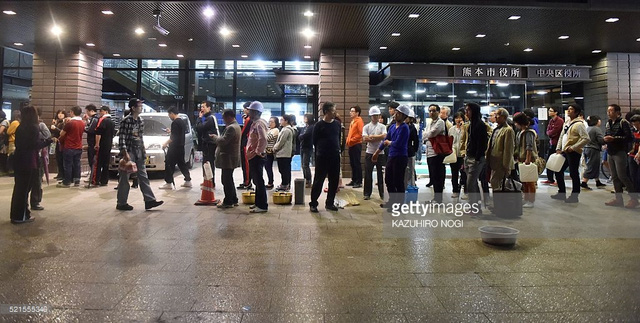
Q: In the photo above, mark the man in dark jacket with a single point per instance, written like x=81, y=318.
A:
x=553, y=132
x=246, y=177
x=105, y=130
x=305, y=138
x=91, y=122
x=618, y=137
x=228, y=156
x=175, y=151
x=206, y=124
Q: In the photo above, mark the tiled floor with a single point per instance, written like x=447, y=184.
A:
x=184, y=263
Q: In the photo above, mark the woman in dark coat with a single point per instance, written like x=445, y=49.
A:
x=28, y=143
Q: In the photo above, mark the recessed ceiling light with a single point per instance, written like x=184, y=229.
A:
x=18, y=44
x=107, y=12
x=208, y=12
x=91, y=44
x=244, y=56
x=152, y=38
x=116, y=55
x=514, y=17
x=56, y=30
x=612, y=19
x=455, y=48
x=472, y=92
x=139, y=31
x=414, y=15
x=395, y=34
x=528, y=49
x=224, y=31
x=563, y=37
x=452, y=96
x=180, y=55
x=565, y=93
x=579, y=98
x=441, y=83
x=307, y=56
x=307, y=32
x=406, y=96
x=386, y=95
x=638, y=39
x=190, y=39
x=514, y=97
x=481, y=36
x=383, y=47
x=307, y=46
x=235, y=46
x=308, y=13
x=596, y=51
x=502, y=84
x=541, y=92
x=9, y=12
x=162, y=45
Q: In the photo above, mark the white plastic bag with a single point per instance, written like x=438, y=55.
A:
x=452, y=158
x=207, y=171
x=555, y=162
x=528, y=173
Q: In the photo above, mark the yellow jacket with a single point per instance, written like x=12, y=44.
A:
x=500, y=151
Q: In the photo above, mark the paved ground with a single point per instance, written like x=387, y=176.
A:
x=185, y=263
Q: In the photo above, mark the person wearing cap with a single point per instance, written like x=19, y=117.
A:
x=372, y=134
x=412, y=149
x=397, y=140
x=326, y=138
x=354, y=144
x=256, y=154
x=132, y=149
x=244, y=161
x=437, y=174
x=206, y=125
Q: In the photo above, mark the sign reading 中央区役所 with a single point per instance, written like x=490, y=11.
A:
x=522, y=72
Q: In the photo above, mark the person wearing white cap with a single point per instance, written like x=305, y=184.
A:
x=397, y=140
x=256, y=154
x=372, y=134
x=412, y=149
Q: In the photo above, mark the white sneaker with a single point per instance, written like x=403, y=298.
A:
x=527, y=205
x=166, y=186
x=465, y=196
x=187, y=184
x=455, y=195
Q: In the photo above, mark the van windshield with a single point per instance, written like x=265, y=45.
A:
x=156, y=125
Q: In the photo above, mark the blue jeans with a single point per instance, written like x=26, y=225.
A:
x=71, y=166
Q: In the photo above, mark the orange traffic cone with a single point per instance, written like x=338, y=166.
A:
x=207, y=197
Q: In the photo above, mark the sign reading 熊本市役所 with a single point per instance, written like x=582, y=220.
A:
x=522, y=72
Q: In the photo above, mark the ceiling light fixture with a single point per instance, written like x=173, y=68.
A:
x=563, y=37
x=421, y=91
x=162, y=45
x=541, y=92
x=383, y=47
x=395, y=34
x=481, y=36
x=139, y=31
x=180, y=55
x=414, y=15
x=91, y=44
x=308, y=13
x=307, y=56
x=307, y=46
x=441, y=83
x=9, y=12
x=307, y=32
x=18, y=44
x=472, y=92
x=406, y=96
x=514, y=17
x=451, y=96
x=56, y=30
x=502, y=84
x=190, y=39
x=528, y=49
x=116, y=55
x=107, y=12
x=244, y=56
x=235, y=46
x=579, y=98
x=455, y=48
x=157, y=13
x=514, y=97
x=208, y=12
x=224, y=31
x=638, y=39
x=386, y=95
x=613, y=19
x=596, y=51
x=565, y=93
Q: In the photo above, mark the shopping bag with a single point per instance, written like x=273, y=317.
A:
x=128, y=167
x=452, y=158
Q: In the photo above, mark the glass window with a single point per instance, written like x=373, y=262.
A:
x=17, y=59
x=161, y=63
x=373, y=66
x=508, y=96
x=258, y=85
x=300, y=66
x=120, y=63
x=213, y=64
x=259, y=65
x=163, y=89
x=17, y=80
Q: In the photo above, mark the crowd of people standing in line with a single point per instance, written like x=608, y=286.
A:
x=483, y=152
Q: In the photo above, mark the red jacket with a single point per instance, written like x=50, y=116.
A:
x=554, y=129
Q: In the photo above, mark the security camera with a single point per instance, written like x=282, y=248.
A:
x=161, y=30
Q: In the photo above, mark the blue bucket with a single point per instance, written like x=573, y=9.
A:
x=411, y=194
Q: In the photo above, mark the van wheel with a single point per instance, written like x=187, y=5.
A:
x=191, y=160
